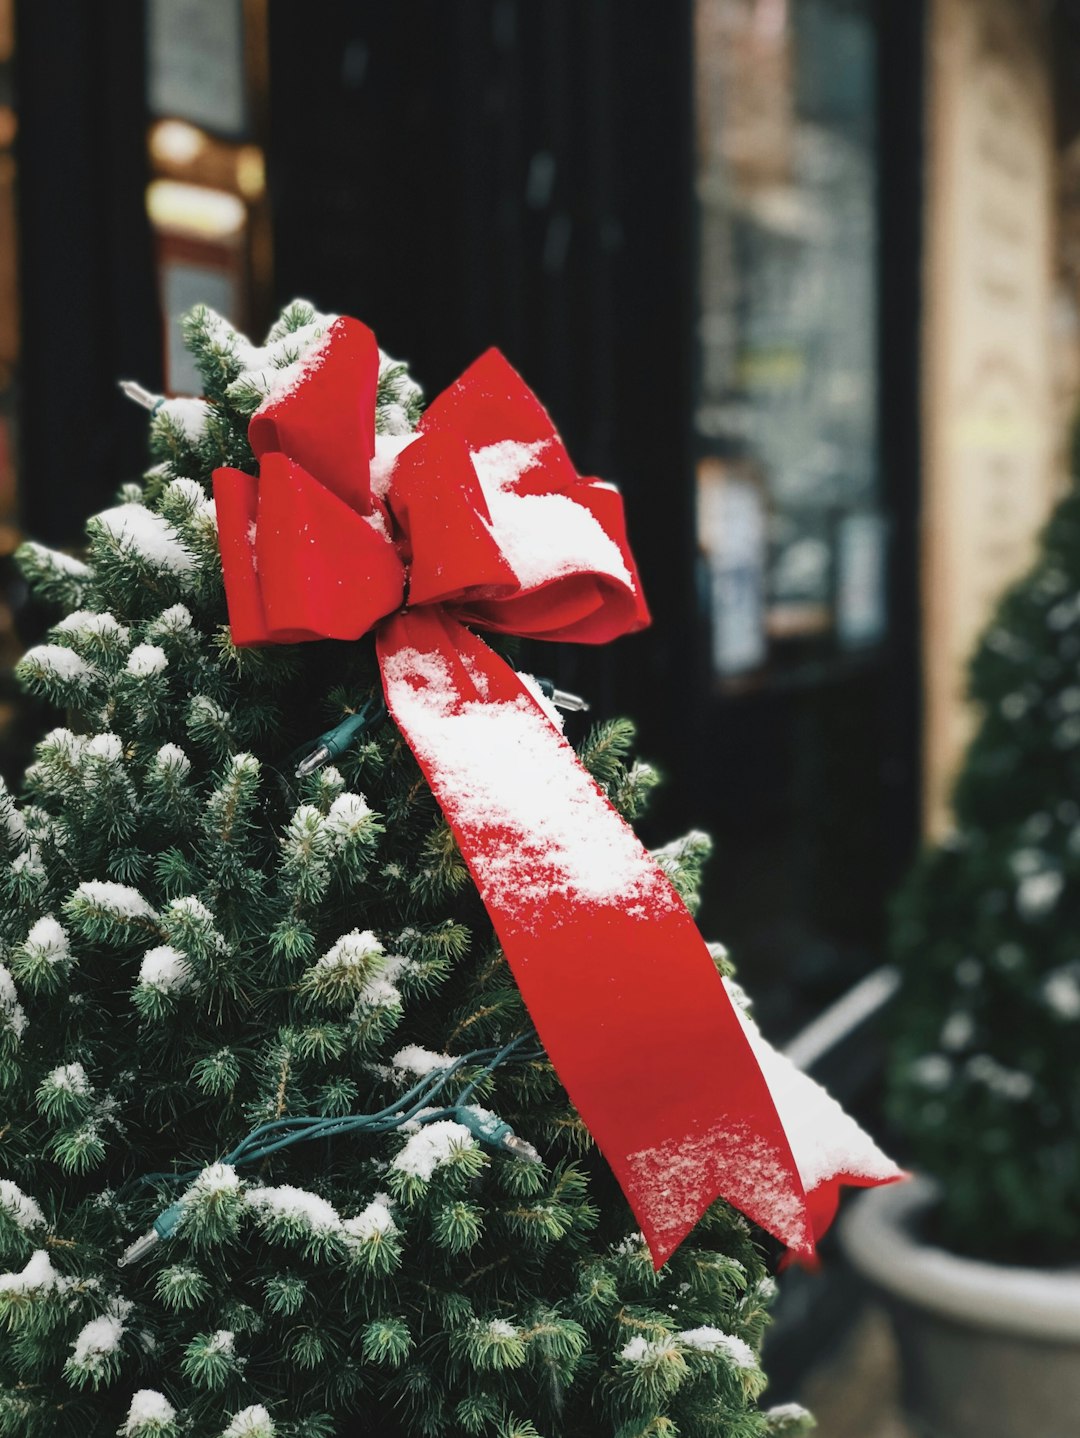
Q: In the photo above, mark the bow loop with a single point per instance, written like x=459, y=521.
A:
x=322, y=414
x=440, y=509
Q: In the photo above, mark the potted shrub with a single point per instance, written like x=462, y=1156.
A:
x=981, y=1266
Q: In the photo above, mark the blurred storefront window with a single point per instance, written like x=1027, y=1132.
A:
x=207, y=91
x=790, y=524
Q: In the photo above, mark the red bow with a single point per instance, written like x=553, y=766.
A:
x=483, y=521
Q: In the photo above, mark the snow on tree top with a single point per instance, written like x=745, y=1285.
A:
x=276, y=368
x=147, y=1406
x=431, y=1147
x=148, y=535
x=19, y=1206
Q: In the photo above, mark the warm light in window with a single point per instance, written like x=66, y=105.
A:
x=174, y=142
x=251, y=172
x=195, y=210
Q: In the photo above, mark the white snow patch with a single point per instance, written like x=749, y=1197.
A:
x=19, y=1206
x=788, y=1413
x=435, y=1144
x=84, y=622
x=147, y=1406
x=12, y=1014
x=171, y=756
x=215, y=1178
x=71, y=1078
x=542, y=536
x=191, y=493
x=39, y=1276
x=957, y=1031
x=932, y=1072
x=253, y=1422
x=165, y=969
x=101, y=1336
x=223, y=1341
x=59, y=662
x=1037, y=894
x=1061, y=993
x=421, y=1061
x=146, y=659
x=107, y=747
x=172, y=621
x=276, y=368
x=712, y=1340
x=375, y=1221
x=120, y=900
x=347, y=814
x=642, y=1350
x=193, y=908
x=500, y=1328
x=48, y=940
x=57, y=560
x=352, y=950
x=286, y=1201
x=188, y=415
x=387, y=449
x=1010, y=1084
x=148, y=535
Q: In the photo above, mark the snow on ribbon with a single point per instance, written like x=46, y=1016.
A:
x=481, y=520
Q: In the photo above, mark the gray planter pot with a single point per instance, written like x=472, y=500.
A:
x=986, y=1351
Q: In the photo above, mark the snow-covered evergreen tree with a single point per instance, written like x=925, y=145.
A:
x=199, y=946
x=985, y=1079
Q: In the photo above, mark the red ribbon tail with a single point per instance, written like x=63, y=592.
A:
x=622, y=989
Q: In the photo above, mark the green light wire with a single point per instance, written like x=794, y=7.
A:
x=412, y=1106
